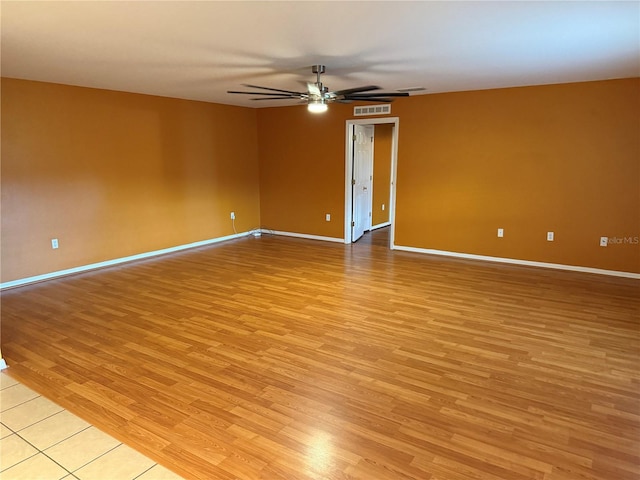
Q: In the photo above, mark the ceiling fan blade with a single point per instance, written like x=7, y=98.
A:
x=371, y=99
x=289, y=97
x=255, y=93
x=316, y=92
x=273, y=89
x=381, y=94
x=349, y=91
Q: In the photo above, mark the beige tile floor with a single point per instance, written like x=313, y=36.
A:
x=39, y=440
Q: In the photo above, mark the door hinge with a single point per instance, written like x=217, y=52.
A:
x=354, y=137
x=353, y=181
x=353, y=224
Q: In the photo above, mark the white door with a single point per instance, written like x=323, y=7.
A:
x=362, y=179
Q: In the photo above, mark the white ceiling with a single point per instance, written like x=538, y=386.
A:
x=200, y=49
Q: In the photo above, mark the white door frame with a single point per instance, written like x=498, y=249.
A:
x=348, y=192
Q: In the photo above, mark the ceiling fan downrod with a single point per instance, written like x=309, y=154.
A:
x=318, y=70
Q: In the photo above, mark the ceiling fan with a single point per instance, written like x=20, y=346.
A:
x=318, y=96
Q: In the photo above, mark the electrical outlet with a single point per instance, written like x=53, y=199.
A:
x=604, y=241
x=54, y=243
x=327, y=217
x=383, y=207
x=549, y=236
x=233, y=215
x=501, y=232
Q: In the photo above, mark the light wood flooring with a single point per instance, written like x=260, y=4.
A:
x=279, y=358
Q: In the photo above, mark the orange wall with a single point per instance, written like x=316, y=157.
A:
x=381, y=173
x=302, y=169
x=562, y=158
x=113, y=174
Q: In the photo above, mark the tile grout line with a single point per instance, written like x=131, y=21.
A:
x=96, y=458
x=43, y=452
x=138, y=476
x=22, y=403
x=71, y=436
x=35, y=423
x=17, y=433
x=64, y=439
x=34, y=455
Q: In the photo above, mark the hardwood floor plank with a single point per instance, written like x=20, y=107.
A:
x=279, y=358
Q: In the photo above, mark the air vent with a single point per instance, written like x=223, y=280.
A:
x=384, y=109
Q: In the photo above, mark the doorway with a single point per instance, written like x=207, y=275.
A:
x=362, y=182
x=357, y=193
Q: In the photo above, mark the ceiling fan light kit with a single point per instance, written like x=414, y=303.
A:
x=317, y=106
x=317, y=97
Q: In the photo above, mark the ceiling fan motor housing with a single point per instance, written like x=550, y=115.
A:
x=318, y=69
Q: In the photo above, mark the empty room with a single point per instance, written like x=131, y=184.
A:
x=320, y=240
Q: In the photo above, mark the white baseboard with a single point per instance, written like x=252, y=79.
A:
x=304, y=235
x=380, y=225
x=557, y=266
x=109, y=263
